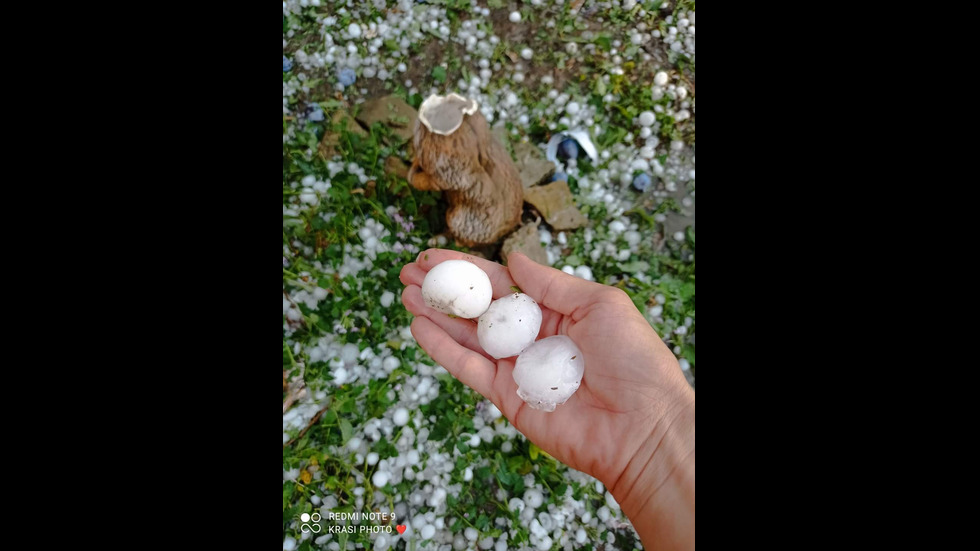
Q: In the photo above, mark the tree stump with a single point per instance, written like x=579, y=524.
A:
x=456, y=153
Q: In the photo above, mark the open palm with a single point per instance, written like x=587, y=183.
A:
x=631, y=379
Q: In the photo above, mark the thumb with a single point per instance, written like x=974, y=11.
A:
x=555, y=289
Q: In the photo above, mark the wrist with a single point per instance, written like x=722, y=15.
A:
x=656, y=490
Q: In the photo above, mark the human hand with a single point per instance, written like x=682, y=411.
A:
x=631, y=422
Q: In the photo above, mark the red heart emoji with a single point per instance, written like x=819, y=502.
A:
x=400, y=528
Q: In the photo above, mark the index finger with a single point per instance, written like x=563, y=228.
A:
x=499, y=276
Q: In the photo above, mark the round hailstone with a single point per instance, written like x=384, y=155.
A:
x=400, y=417
x=527, y=53
x=549, y=372
x=354, y=30
x=660, y=79
x=647, y=118
x=515, y=17
x=380, y=478
x=533, y=498
x=509, y=326
x=572, y=108
x=459, y=288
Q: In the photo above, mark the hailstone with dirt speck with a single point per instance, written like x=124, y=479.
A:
x=509, y=326
x=457, y=287
x=549, y=372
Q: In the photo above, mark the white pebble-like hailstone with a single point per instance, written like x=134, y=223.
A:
x=646, y=118
x=549, y=372
x=660, y=78
x=509, y=326
x=515, y=17
x=457, y=287
x=380, y=478
x=400, y=417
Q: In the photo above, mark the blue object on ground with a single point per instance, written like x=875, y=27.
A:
x=642, y=181
x=569, y=148
x=287, y=64
x=316, y=113
x=347, y=76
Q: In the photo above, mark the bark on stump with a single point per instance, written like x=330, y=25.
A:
x=456, y=153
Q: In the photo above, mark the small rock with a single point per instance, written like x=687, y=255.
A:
x=525, y=240
x=396, y=167
x=532, y=165
x=331, y=138
x=391, y=111
x=554, y=201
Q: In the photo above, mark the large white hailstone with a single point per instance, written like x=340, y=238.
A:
x=647, y=118
x=527, y=53
x=660, y=79
x=515, y=17
x=459, y=288
x=549, y=372
x=354, y=30
x=509, y=326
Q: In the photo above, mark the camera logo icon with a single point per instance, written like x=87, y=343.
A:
x=312, y=526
